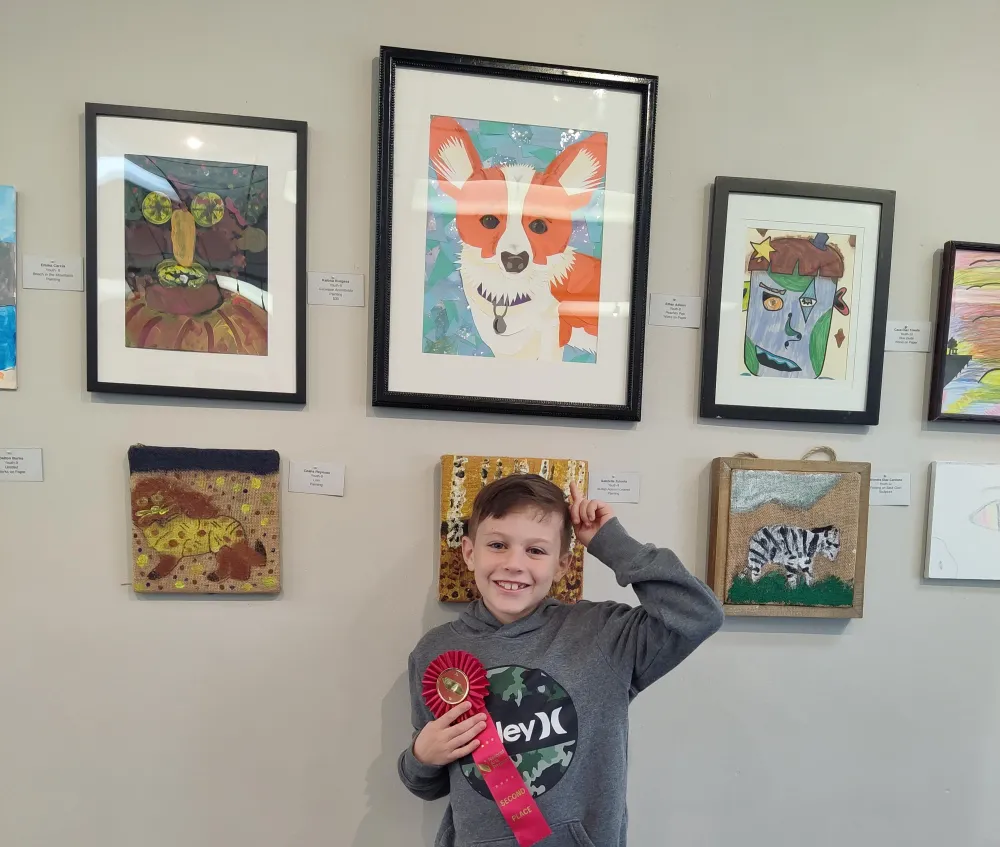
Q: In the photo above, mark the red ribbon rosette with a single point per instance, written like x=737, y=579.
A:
x=453, y=678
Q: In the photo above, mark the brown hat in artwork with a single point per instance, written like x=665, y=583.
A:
x=804, y=256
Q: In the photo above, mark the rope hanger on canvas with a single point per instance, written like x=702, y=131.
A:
x=829, y=452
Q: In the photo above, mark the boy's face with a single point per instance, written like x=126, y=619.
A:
x=516, y=559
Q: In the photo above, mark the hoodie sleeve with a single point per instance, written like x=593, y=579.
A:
x=677, y=612
x=428, y=782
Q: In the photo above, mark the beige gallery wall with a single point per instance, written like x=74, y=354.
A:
x=208, y=724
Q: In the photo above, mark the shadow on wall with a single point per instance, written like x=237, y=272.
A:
x=391, y=812
x=390, y=815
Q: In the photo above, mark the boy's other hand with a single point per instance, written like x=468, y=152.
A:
x=443, y=741
x=588, y=516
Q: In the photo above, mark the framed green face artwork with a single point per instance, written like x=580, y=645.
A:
x=798, y=285
x=195, y=254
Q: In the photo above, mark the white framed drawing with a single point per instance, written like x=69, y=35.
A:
x=963, y=532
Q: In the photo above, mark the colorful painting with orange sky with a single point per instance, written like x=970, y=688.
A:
x=972, y=361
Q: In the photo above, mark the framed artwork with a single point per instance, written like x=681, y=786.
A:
x=196, y=254
x=965, y=385
x=8, y=287
x=798, y=285
x=788, y=539
x=462, y=477
x=512, y=234
x=204, y=521
x=963, y=534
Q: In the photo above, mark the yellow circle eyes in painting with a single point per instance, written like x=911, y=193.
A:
x=772, y=304
x=207, y=208
x=143, y=501
x=245, y=508
x=142, y=560
x=157, y=208
x=157, y=499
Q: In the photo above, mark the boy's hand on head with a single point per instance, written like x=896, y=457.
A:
x=588, y=516
x=443, y=741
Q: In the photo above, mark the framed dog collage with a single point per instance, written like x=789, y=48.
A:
x=512, y=233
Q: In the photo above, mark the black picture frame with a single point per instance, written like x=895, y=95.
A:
x=946, y=366
x=724, y=188
x=394, y=58
x=95, y=111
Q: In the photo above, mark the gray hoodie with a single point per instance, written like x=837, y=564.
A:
x=561, y=681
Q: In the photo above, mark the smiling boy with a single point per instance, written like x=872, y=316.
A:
x=561, y=676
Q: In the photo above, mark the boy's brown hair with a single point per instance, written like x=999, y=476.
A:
x=521, y=491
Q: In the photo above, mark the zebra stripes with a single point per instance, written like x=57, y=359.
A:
x=792, y=548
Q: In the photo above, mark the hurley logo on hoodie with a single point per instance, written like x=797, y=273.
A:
x=536, y=719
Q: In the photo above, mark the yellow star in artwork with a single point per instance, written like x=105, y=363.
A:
x=762, y=249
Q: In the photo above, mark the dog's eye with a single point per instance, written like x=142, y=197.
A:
x=142, y=501
x=490, y=221
x=538, y=226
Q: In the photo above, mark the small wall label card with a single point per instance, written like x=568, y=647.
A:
x=615, y=487
x=890, y=489
x=21, y=464
x=64, y=273
x=316, y=478
x=674, y=310
x=908, y=336
x=326, y=289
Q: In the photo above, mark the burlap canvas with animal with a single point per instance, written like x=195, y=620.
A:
x=204, y=521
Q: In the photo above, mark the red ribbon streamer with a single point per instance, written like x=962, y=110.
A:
x=452, y=678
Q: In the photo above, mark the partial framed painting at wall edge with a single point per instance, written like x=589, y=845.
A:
x=8, y=287
x=213, y=238
x=965, y=375
x=820, y=568
x=524, y=306
x=810, y=287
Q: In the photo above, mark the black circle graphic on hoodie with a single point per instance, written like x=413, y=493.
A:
x=537, y=722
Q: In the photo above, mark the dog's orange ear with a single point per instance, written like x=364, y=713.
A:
x=453, y=155
x=579, y=170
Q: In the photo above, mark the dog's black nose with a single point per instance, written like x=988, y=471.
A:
x=514, y=263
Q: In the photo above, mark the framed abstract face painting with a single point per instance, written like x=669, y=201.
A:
x=512, y=233
x=966, y=379
x=798, y=285
x=195, y=254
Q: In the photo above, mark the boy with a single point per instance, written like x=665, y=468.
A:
x=561, y=676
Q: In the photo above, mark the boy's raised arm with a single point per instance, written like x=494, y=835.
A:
x=677, y=614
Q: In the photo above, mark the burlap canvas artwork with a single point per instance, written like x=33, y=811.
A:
x=462, y=477
x=789, y=537
x=204, y=521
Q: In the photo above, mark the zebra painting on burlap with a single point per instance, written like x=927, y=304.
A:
x=792, y=548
